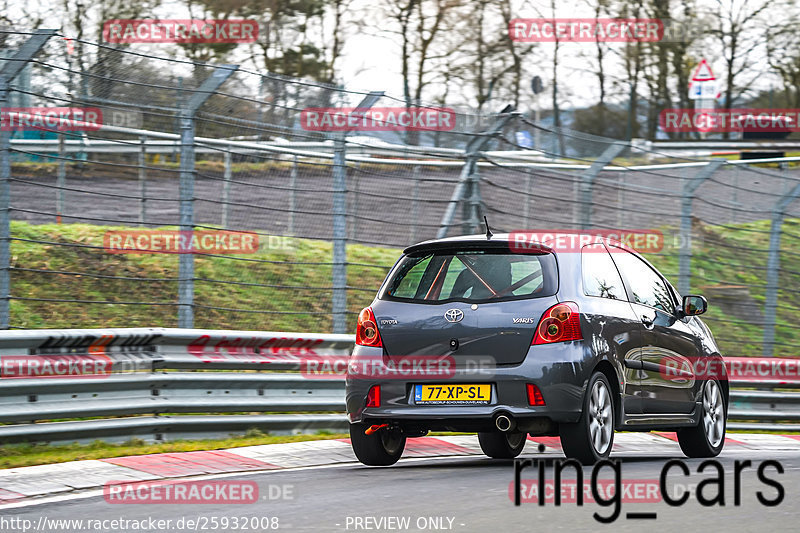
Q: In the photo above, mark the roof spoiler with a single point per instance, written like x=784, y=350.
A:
x=478, y=243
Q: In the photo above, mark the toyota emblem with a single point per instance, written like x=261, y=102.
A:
x=454, y=315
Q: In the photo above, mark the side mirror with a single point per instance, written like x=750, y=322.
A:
x=693, y=305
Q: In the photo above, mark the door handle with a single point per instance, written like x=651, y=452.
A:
x=647, y=321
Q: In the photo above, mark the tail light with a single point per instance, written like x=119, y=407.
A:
x=374, y=396
x=560, y=323
x=367, y=329
x=534, y=395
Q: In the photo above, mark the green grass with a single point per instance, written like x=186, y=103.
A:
x=288, y=290
x=298, y=296
x=15, y=455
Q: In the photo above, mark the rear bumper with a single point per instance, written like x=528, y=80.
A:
x=561, y=371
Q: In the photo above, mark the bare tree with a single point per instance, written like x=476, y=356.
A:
x=734, y=22
x=783, y=53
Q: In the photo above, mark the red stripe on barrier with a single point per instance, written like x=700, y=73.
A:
x=190, y=463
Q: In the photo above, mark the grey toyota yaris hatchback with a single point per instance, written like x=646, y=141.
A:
x=480, y=334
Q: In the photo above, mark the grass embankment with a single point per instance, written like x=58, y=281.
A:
x=293, y=285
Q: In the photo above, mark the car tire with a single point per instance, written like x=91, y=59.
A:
x=382, y=448
x=591, y=438
x=707, y=438
x=499, y=445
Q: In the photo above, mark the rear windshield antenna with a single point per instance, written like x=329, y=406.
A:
x=488, y=231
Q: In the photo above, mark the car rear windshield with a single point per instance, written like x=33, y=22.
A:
x=472, y=276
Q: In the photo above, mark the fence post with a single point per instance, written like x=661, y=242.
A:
x=186, y=122
x=143, y=179
x=468, y=180
x=61, y=179
x=292, y=196
x=339, y=270
x=526, y=207
x=690, y=185
x=773, y=270
x=414, y=205
x=226, y=186
x=339, y=274
x=586, y=183
x=9, y=70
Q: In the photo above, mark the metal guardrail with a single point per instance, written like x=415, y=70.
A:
x=166, y=384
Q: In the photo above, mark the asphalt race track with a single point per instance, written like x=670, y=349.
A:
x=458, y=494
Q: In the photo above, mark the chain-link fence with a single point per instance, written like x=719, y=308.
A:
x=197, y=149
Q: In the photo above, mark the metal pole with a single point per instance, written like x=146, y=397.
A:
x=339, y=307
x=9, y=71
x=61, y=179
x=690, y=185
x=526, y=206
x=142, y=179
x=5, y=212
x=339, y=270
x=414, y=205
x=473, y=204
x=537, y=133
x=186, y=186
x=226, y=186
x=464, y=191
x=292, y=196
x=773, y=270
x=354, y=204
x=586, y=184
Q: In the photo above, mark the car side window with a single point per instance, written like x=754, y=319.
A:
x=647, y=286
x=600, y=276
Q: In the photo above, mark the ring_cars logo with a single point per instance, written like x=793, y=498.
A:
x=523, y=320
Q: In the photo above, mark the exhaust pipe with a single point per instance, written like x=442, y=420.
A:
x=504, y=423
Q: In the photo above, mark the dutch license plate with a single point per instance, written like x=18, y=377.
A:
x=453, y=394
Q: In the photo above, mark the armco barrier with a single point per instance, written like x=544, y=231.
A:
x=164, y=384
x=87, y=376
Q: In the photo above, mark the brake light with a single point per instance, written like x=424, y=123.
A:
x=367, y=329
x=374, y=396
x=534, y=395
x=560, y=323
